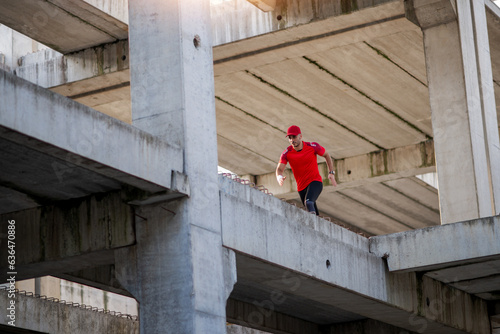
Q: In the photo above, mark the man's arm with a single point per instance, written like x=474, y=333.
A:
x=279, y=173
x=329, y=163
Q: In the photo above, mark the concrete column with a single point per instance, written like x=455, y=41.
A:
x=178, y=259
x=464, y=119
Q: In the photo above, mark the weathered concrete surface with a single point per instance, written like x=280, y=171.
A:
x=462, y=100
x=179, y=245
x=440, y=246
x=68, y=236
x=234, y=20
x=281, y=266
x=56, y=318
x=235, y=329
x=495, y=318
x=269, y=236
x=99, y=277
x=366, y=327
x=70, y=291
x=97, y=77
x=63, y=25
x=72, y=132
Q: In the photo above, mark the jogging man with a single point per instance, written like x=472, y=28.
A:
x=302, y=158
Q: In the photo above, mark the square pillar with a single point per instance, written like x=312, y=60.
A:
x=176, y=269
x=462, y=103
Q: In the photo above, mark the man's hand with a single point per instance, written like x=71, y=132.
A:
x=280, y=179
x=331, y=177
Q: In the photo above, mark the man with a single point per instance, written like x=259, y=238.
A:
x=302, y=158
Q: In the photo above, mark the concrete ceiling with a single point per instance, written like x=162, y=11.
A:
x=355, y=83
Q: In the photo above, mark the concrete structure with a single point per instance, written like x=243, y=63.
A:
x=137, y=208
x=72, y=292
x=38, y=315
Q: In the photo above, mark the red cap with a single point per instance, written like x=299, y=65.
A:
x=293, y=131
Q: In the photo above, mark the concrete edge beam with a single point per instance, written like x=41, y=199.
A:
x=427, y=14
x=81, y=73
x=439, y=246
x=257, y=317
x=68, y=126
x=102, y=277
x=69, y=236
x=272, y=225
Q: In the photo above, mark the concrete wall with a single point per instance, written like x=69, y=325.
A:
x=82, y=294
x=234, y=20
x=13, y=46
x=78, y=293
x=115, y=8
x=58, y=318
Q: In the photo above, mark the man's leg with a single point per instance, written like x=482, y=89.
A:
x=302, y=195
x=312, y=194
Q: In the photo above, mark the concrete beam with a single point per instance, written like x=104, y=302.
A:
x=375, y=167
x=32, y=314
x=365, y=327
x=101, y=277
x=288, y=37
x=101, y=64
x=73, y=132
x=229, y=17
x=440, y=246
x=259, y=316
x=69, y=236
x=63, y=25
x=427, y=14
x=363, y=286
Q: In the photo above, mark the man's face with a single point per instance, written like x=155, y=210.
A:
x=295, y=140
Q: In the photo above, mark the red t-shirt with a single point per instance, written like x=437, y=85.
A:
x=304, y=163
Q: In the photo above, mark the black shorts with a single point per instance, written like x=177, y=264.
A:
x=311, y=194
